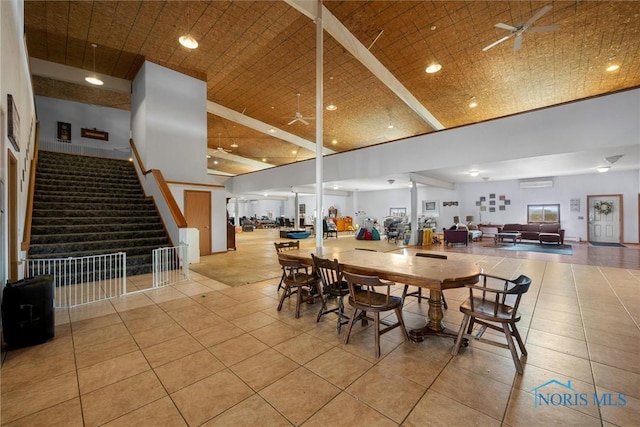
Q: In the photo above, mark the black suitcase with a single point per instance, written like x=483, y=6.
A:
x=28, y=317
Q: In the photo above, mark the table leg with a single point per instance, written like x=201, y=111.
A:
x=434, y=324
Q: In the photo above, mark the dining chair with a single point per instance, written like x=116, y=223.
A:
x=494, y=300
x=418, y=293
x=283, y=247
x=364, y=297
x=327, y=231
x=333, y=286
x=298, y=280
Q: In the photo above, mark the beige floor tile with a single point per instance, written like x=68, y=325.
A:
x=66, y=414
x=110, y=371
x=158, y=334
x=96, y=322
x=131, y=301
x=253, y=321
x=412, y=362
x=171, y=350
x=264, y=368
x=90, y=338
x=87, y=311
x=253, y=411
x=339, y=367
x=561, y=363
x=162, y=412
x=210, y=397
x=59, y=345
x=146, y=312
x=192, y=322
x=164, y=294
x=104, y=351
x=237, y=349
x=485, y=363
x=217, y=333
x=115, y=400
x=613, y=340
x=553, y=327
x=347, y=411
x=621, y=412
x=276, y=333
x=387, y=393
x=36, y=371
x=618, y=380
x=521, y=412
x=435, y=409
x=34, y=397
x=558, y=343
x=303, y=348
x=558, y=316
x=299, y=395
x=187, y=370
x=192, y=288
x=614, y=357
x=476, y=391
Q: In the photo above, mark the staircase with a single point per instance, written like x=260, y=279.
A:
x=88, y=206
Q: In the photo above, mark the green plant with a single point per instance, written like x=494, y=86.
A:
x=603, y=207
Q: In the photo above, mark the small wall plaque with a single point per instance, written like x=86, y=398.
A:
x=94, y=134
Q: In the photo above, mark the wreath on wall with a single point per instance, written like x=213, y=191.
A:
x=603, y=207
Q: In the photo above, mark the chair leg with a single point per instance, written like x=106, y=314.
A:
x=512, y=348
x=463, y=326
x=280, y=286
x=298, y=302
x=340, y=312
x=444, y=302
x=470, y=327
x=352, y=320
x=285, y=292
x=401, y=320
x=419, y=295
x=376, y=322
x=516, y=334
x=323, y=308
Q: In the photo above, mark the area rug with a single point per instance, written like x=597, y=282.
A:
x=535, y=247
x=611, y=245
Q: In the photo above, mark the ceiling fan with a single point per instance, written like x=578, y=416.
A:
x=299, y=117
x=220, y=147
x=518, y=30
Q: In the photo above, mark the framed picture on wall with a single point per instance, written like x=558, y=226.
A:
x=13, y=123
x=64, y=132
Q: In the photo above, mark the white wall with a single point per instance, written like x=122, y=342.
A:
x=112, y=120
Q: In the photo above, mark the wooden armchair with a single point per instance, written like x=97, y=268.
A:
x=492, y=301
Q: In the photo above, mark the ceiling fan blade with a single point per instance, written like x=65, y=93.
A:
x=517, y=44
x=505, y=27
x=543, y=28
x=304, y=121
x=537, y=16
x=292, y=121
x=496, y=43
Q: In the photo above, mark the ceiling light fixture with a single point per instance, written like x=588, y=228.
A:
x=208, y=156
x=473, y=103
x=433, y=68
x=474, y=173
x=613, y=67
x=272, y=130
x=94, y=80
x=186, y=40
x=612, y=159
x=264, y=159
x=390, y=126
x=332, y=107
x=603, y=169
x=334, y=141
x=215, y=162
x=234, y=144
x=391, y=181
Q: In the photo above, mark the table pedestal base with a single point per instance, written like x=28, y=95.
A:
x=434, y=324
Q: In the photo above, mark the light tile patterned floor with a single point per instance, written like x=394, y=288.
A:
x=203, y=353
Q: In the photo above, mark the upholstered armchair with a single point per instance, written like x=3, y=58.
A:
x=456, y=236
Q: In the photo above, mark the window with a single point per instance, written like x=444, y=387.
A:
x=543, y=213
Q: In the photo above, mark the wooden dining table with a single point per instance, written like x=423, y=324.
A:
x=435, y=275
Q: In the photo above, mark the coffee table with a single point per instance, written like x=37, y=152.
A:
x=508, y=236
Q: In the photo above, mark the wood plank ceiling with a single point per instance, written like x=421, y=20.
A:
x=256, y=56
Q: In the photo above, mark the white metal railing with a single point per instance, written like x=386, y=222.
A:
x=83, y=280
x=58, y=146
x=170, y=265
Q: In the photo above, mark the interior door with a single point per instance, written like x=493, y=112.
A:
x=605, y=228
x=197, y=212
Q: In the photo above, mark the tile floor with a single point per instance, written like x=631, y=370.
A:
x=205, y=353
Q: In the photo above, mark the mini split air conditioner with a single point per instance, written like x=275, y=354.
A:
x=538, y=183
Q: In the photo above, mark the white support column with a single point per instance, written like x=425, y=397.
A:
x=319, y=116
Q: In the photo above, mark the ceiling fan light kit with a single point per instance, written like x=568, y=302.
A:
x=519, y=30
x=298, y=116
x=188, y=41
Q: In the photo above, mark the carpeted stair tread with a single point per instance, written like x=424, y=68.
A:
x=96, y=213
x=84, y=236
x=41, y=251
x=54, y=220
x=93, y=228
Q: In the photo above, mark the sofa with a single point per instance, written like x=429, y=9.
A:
x=473, y=234
x=542, y=232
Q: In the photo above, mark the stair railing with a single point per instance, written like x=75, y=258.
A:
x=170, y=265
x=83, y=280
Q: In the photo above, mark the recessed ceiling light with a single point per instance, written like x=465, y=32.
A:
x=332, y=107
x=335, y=187
x=334, y=141
x=473, y=103
x=294, y=151
x=433, y=28
x=433, y=68
x=272, y=130
x=208, y=156
x=474, y=173
x=264, y=159
x=390, y=126
x=215, y=162
x=188, y=41
x=613, y=67
x=603, y=169
x=234, y=144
